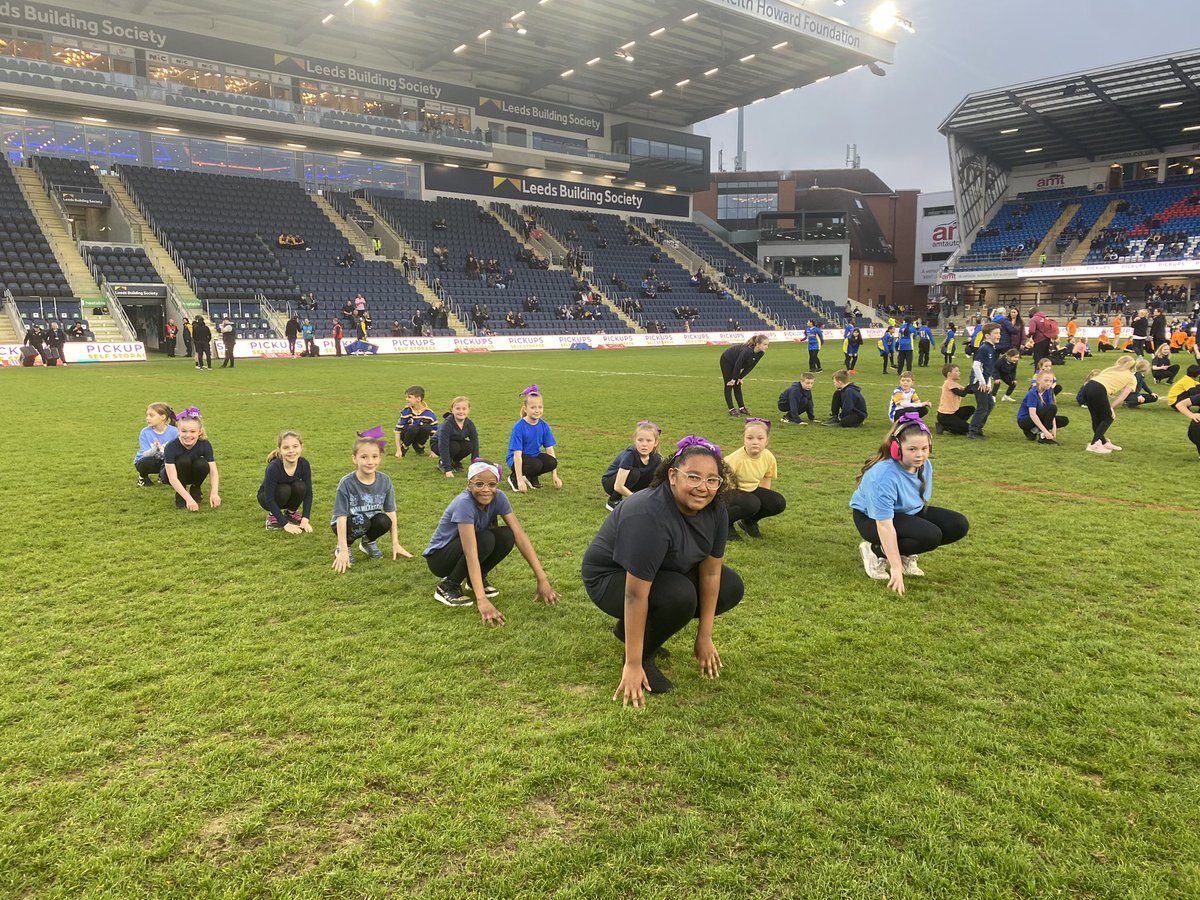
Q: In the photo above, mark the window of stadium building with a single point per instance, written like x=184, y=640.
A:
x=824, y=226
x=745, y=206
x=804, y=266
x=640, y=148
x=1183, y=166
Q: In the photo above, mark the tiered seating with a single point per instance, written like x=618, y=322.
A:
x=630, y=262
x=251, y=321
x=123, y=265
x=74, y=173
x=49, y=75
x=19, y=64
x=470, y=231
x=65, y=312
x=783, y=305
x=27, y=264
x=343, y=203
x=1018, y=228
x=226, y=229
x=402, y=131
x=230, y=109
x=1160, y=223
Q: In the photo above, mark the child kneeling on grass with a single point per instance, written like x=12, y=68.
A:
x=952, y=416
x=848, y=409
x=364, y=506
x=1038, y=416
x=797, y=400
x=469, y=543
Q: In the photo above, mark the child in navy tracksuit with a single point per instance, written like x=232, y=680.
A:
x=797, y=400
x=887, y=347
x=848, y=408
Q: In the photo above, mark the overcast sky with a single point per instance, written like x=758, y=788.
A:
x=959, y=47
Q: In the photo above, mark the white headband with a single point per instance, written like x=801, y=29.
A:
x=479, y=466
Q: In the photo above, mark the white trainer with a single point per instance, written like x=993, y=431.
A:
x=874, y=566
x=1097, y=448
x=910, y=567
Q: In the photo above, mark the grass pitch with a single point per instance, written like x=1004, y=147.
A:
x=192, y=706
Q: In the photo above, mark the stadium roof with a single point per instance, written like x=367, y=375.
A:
x=705, y=56
x=1149, y=104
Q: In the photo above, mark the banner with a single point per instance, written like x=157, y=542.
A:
x=83, y=352
x=139, y=291
x=527, y=189
x=829, y=31
x=539, y=112
x=84, y=198
x=1165, y=267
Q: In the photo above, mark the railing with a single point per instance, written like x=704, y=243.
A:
x=1020, y=260
x=117, y=313
x=14, y=314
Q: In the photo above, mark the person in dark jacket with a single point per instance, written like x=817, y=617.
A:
x=292, y=332
x=736, y=363
x=35, y=337
x=1158, y=329
x=456, y=438
x=202, y=341
x=848, y=409
x=55, y=339
x=229, y=338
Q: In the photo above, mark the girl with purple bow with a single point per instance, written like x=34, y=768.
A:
x=189, y=461
x=634, y=467
x=891, y=505
x=657, y=563
x=754, y=471
x=531, y=451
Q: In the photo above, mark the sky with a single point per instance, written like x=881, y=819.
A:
x=958, y=48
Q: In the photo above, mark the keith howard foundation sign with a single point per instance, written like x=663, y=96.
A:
x=525, y=189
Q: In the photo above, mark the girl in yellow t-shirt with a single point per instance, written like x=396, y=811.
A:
x=754, y=470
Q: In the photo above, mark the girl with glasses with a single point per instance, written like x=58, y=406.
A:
x=657, y=563
x=469, y=543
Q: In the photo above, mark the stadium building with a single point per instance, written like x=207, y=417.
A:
x=1083, y=187
x=164, y=160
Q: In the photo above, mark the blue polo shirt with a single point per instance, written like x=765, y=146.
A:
x=887, y=488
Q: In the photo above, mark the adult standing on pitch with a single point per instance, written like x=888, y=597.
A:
x=736, y=363
x=229, y=340
x=657, y=563
x=1039, y=333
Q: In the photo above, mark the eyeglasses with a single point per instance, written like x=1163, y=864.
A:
x=695, y=479
x=483, y=485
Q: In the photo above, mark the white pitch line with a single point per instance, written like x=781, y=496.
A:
x=559, y=369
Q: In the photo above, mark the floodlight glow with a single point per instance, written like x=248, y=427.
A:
x=592, y=62
x=327, y=19
x=690, y=18
x=460, y=48
x=657, y=31
x=883, y=18
x=712, y=71
x=682, y=83
x=1171, y=105
x=656, y=93
x=747, y=57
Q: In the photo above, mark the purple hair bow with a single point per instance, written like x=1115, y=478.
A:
x=191, y=412
x=765, y=423
x=374, y=434
x=911, y=419
x=532, y=389
x=694, y=440
x=646, y=423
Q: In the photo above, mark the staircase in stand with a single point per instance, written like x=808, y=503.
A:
x=356, y=238
x=159, y=257
x=1076, y=254
x=1044, y=246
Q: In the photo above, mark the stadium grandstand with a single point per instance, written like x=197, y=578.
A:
x=1080, y=191
x=157, y=168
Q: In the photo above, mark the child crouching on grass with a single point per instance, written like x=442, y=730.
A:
x=952, y=416
x=905, y=399
x=634, y=467
x=848, y=408
x=160, y=430
x=364, y=506
x=286, y=490
x=469, y=543
x=189, y=460
x=797, y=400
x=456, y=438
x=754, y=470
x=417, y=423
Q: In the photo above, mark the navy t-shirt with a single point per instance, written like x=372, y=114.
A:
x=630, y=459
x=647, y=534
x=175, y=453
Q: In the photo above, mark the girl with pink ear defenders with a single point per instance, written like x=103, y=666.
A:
x=891, y=507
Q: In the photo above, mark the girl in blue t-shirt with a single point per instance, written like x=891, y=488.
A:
x=891, y=505
x=531, y=446
x=160, y=430
x=469, y=543
x=634, y=467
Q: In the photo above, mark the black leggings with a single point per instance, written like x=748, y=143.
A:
x=533, y=466
x=814, y=359
x=1095, y=398
x=733, y=392
x=1169, y=373
x=191, y=475
x=375, y=527
x=1050, y=419
x=929, y=529
x=288, y=497
x=957, y=422
x=458, y=450
x=674, y=601
x=149, y=466
x=750, y=506
x=904, y=360
x=415, y=435
x=635, y=482
x=491, y=545
x=923, y=354
x=203, y=353
x=1194, y=434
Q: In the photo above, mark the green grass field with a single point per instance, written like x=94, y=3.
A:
x=194, y=707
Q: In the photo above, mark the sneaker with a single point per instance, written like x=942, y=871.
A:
x=786, y=421
x=1007, y=399
x=610, y=505
x=143, y=481
x=450, y=594
x=659, y=683
x=295, y=516
x=489, y=591
x=976, y=435
x=938, y=428
x=1111, y=446
x=371, y=549
x=732, y=535
x=910, y=567
x=831, y=423
x=351, y=554
x=851, y=372
x=735, y=414
x=272, y=522
x=874, y=566
x=403, y=450
x=1097, y=448
x=532, y=483
x=1042, y=439
x=743, y=411
x=420, y=449
x=751, y=529
x=512, y=481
